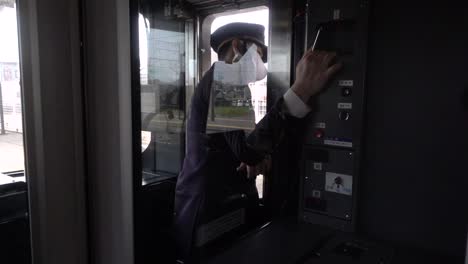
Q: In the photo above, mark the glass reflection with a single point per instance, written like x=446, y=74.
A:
x=216, y=191
x=231, y=105
x=162, y=79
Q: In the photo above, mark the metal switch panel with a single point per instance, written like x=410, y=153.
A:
x=327, y=186
x=332, y=144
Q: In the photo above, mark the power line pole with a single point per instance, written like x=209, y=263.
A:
x=2, y=122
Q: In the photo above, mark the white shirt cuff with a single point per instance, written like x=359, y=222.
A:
x=294, y=105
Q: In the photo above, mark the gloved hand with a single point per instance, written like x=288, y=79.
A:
x=261, y=168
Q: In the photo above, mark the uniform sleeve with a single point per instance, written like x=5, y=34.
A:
x=199, y=106
x=294, y=105
x=274, y=127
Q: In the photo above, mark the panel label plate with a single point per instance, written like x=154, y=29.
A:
x=320, y=125
x=339, y=183
x=345, y=106
x=338, y=143
x=336, y=14
x=346, y=83
x=317, y=166
x=316, y=194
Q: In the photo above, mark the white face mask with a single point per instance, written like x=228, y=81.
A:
x=248, y=69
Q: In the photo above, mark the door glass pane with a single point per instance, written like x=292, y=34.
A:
x=14, y=222
x=215, y=200
x=245, y=107
x=162, y=45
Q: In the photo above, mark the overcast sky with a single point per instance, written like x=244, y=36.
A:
x=256, y=17
x=8, y=35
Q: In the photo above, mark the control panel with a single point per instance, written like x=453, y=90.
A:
x=328, y=183
x=332, y=143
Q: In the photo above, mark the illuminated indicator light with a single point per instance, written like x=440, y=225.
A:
x=319, y=133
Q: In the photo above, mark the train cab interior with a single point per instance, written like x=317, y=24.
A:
x=96, y=101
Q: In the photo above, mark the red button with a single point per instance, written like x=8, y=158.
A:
x=319, y=133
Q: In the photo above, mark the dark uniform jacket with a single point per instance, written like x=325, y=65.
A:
x=209, y=172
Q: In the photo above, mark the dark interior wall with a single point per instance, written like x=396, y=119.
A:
x=414, y=188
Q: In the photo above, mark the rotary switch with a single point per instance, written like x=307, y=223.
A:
x=344, y=115
x=338, y=181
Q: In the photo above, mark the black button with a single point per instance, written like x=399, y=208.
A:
x=346, y=91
